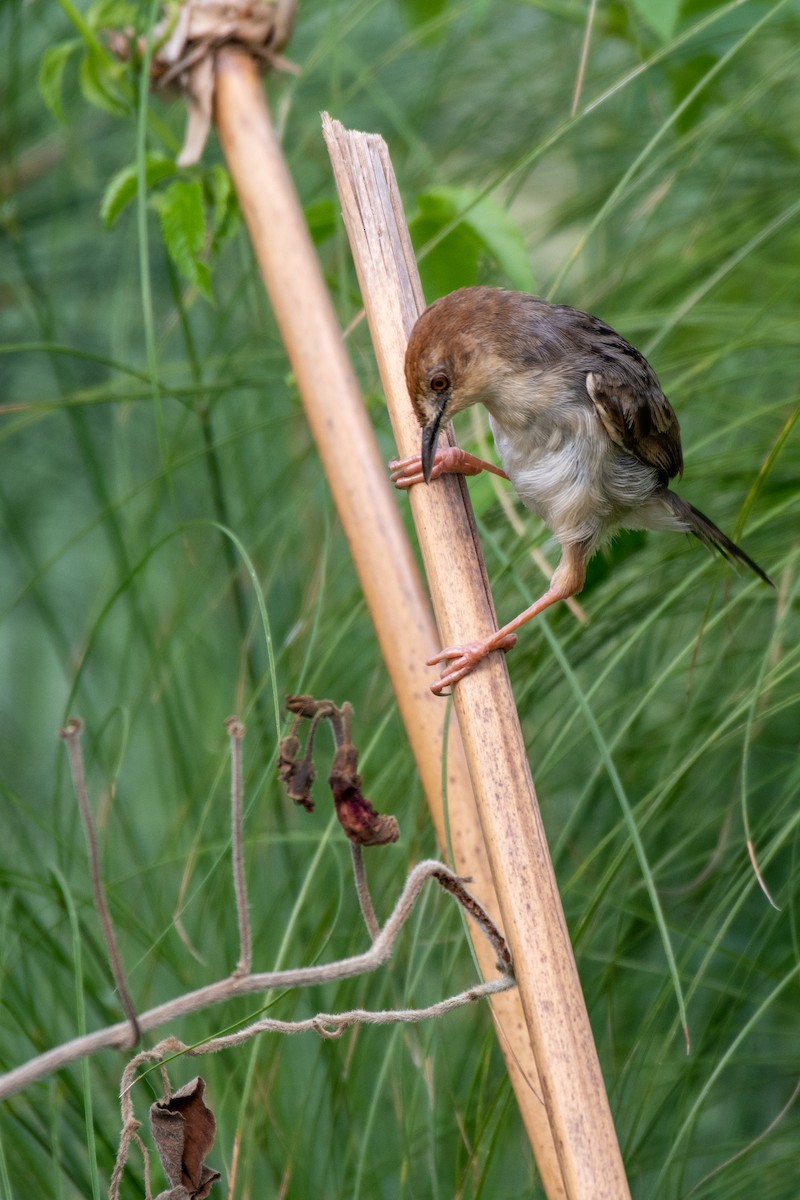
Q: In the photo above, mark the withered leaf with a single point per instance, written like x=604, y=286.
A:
x=298, y=783
x=184, y=1129
x=306, y=706
x=298, y=776
x=288, y=750
x=358, y=818
x=186, y=44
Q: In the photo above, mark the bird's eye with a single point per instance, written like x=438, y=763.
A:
x=439, y=382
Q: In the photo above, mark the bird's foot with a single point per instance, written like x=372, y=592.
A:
x=463, y=659
x=449, y=460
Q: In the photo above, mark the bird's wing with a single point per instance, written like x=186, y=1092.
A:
x=638, y=417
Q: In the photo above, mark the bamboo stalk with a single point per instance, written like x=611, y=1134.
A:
x=530, y=905
x=370, y=514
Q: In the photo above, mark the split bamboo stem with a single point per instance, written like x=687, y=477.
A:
x=369, y=511
x=530, y=904
x=371, y=519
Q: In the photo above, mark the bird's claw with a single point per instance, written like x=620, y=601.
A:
x=449, y=460
x=405, y=472
x=463, y=659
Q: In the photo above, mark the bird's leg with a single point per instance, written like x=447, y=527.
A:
x=568, y=579
x=450, y=460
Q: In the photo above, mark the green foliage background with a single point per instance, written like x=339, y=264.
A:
x=153, y=444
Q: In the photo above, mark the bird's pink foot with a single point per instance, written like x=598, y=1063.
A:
x=463, y=659
x=405, y=472
x=450, y=460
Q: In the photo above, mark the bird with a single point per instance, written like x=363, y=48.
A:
x=580, y=423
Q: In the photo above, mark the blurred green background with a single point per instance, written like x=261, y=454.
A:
x=152, y=444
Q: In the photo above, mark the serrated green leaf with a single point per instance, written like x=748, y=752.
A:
x=183, y=226
x=183, y=222
x=225, y=211
x=203, y=281
x=51, y=75
x=218, y=182
x=123, y=186
x=99, y=77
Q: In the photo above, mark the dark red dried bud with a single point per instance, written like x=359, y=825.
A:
x=358, y=818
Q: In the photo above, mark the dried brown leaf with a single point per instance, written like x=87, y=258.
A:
x=298, y=776
x=184, y=1129
x=186, y=46
x=298, y=783
x=306, y=706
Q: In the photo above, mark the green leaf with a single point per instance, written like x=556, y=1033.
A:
x=484, y=228
x=183, y=225
x=112, y=14
x=660, y=15
x=452, y=262
x=500, y=234
x=420, y=12
x=51, y=75
x=100, y=77
x=425, y=17
x=225, y=212
x=685, y=75
x=123, y=186
x=203, y=280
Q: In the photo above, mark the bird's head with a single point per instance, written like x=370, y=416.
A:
x=450, y=363
x=477, y=345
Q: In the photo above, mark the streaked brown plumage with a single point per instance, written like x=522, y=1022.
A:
x=580, y=422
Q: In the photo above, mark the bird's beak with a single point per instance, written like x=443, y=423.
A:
x=430, y=436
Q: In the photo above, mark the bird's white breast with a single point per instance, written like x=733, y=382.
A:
x=568, y=471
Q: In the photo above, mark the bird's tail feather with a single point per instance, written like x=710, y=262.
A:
x=710, y=535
